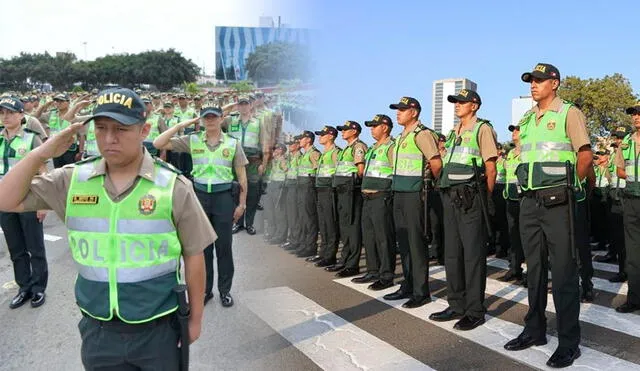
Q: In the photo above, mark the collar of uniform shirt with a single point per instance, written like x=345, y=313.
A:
x=147, y=168
x=555, y=105
x=5, y=132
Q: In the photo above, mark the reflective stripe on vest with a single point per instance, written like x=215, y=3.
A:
x=56, y=124
x=511, y=190
x=461, y=151
x=212, y=168
x=501, y=175
x=326, y=168
x=248, y=136
x=346, y=166
x=278, y=170
x=408, y=163
x=305, y=166
x=14, y=150
x=378, y=170
x=126, y=251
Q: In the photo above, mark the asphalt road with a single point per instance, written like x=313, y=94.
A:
x=290, y=315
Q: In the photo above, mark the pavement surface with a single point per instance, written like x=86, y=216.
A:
x=290, y=315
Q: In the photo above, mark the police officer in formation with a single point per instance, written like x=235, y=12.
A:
x=127, y=299
x=291, y=196
x=327, y=213
x=467, y=182
x=616, y=219
x=277, y=226
x=22, y=231
x=218, y=160
x=306, y=195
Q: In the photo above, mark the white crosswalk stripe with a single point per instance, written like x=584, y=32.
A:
x=328, y=340
x=591, y=313
x=496, y=332
x=598, y=283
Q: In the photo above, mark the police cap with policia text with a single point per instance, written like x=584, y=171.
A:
x=465, y=96
x=12, y=104
x=542, y=71
x=330, y=130
x=122, y=105
x=379, y=119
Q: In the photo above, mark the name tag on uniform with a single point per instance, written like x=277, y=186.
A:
x=198, y=151
x=84, y=200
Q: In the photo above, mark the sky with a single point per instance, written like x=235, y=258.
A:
x=371, y=53
x=368, y=53
x=133, y=26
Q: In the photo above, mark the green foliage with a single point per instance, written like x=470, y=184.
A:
x=164, y=69
x=243, y=86
x=273, y=62
x=602, y=100
x=190, y=87
x=77, y=89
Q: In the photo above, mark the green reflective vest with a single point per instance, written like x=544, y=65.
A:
x=292, y=169
x=601, y=180
x=511, y=189
x=90, y=143
x=628, y=147
x=57, y=124
x=461, y=151
x=14, y=150
x=213, y=169
x=306, y=170
x=544, y=150
x=248, y=135
x=154, y=132
x=378, y=170
x=409, y=163
x=501, y=175
x=346, y=167
x=127, y=253
x=326, y=168
x=171, y=121
x=185, y=115
x=615, y=181
x=278, y=170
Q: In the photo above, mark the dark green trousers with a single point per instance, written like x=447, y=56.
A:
x=465, y=258
x=293, y=212
x=545, y=238
x=327, y=224
x=378, y=234
x=513, y=220
x=308, y=216
x=616, y=228
x=349, y=221
x=115, y=346
x=275, y=211
x=632, y=244
x=408, y=218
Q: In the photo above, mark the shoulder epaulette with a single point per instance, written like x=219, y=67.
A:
x=27, y=130
x=158, y=161
x=88, y=159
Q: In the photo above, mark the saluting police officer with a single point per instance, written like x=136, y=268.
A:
x=54, y=123
x=130, y=220
x=22, y=231
x=628, y=167
x=377, y=207
x=217, y=157
x=291, y=196
x=467, y=181
x=255, y=144
x=415, y=144
x=307, y=198
x=346, y=181
x=511, y=195
x=327, y=214
x=552, y=134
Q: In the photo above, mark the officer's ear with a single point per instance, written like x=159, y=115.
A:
x=555, y=84
x=145, y=129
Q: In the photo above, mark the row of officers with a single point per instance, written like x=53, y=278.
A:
x=378, y=197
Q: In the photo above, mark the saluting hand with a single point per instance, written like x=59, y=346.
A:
x=58, y=144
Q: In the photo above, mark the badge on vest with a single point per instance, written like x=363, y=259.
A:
x=147, y=204
x=225, y=152
x=22, y=151
x=84, y=200
x=551, y=125
x=198, y=151
x=404, y=145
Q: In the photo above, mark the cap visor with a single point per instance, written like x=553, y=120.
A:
x=319, y=132
x=632, y=110
x=398, y=106
x=341, y=128
x=371, y=123
x=124, y=120
x=215, y=113
x=10, y=108
x=527, y=76
x=512, y=128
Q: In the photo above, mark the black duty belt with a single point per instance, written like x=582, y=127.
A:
x=374, y=195
x=117, y=324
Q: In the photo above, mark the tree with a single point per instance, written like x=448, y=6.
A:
x=273, y=62
x=602, y=100
x=190, y=88
x=243, y=86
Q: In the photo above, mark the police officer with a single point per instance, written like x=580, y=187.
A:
x=217, y=157
x=499, y=220
x=616, y=219
x=184, y=112
x=346, y=181
x=377, y=207
x=275, y=210
x=435, y=208
x=126, y=271
x=327, y=214
x=627, y=167
x=471, y=151
x=54, y=123
x=599, y=205
x=552, y=130
x=415, y=144
x=307, y=211
x=22, y=231
x=291, y=196
x=247, y=130
x=511, y=195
